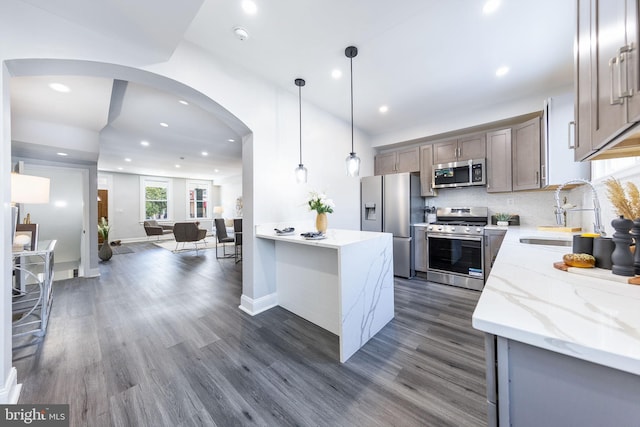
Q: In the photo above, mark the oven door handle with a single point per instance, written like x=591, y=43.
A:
x=449, y=237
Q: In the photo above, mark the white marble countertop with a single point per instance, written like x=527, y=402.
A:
x=335, y=238
x=527, y=300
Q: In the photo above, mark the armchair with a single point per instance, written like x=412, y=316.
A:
x=188, y=232
x=152, y=228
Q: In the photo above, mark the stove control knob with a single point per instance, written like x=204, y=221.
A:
x=429, y=228
x=453, y=229
x=467, y=229
x=479, y=229
x=440, y=228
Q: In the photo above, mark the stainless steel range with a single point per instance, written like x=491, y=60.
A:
x=455, y=245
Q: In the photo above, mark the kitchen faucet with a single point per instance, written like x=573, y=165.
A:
x=597, y=222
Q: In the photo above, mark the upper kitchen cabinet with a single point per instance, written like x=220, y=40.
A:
x=460, y=149
x=499, y=178
x=525, y=155
x=426, y=171
x=607, y=72
x=405, y=160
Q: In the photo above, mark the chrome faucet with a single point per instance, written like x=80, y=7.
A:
x=560, y=210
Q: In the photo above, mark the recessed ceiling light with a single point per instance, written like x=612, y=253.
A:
x=241, y=33
x=127, y=159
x=59, y=87
x=249, y=7
x=231, y=140
x=204, y=153
x=183, y=102
x=336, y=74
x=216, y=170
x=60, y=204
x=120, y=168
x=383, y=109
x=164, y=125
x=62, y=154
x=490, y=6
x=177, y=166
x=502, y=71
x=144, y=143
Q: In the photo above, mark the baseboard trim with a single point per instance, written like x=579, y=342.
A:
x=256, y=306
x=10, y=393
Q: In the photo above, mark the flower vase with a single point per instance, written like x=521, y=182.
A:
x=635, y=232
x=621, y=258
x=321, y=223
x=105, y=253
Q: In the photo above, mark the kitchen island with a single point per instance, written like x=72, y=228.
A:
x=343, y=283
x=562, y=348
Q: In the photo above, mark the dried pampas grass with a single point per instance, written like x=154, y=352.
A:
x=626, y=204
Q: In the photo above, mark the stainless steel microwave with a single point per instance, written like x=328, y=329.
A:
x=459, y=174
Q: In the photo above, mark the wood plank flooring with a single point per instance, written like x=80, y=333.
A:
x=158, y=340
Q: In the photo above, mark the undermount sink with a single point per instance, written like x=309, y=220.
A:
x=545, y=241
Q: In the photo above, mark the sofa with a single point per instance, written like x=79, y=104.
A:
x=152, y=228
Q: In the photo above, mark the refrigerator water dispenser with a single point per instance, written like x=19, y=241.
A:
x=370, y=211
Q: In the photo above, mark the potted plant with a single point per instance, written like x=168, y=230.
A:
x=105, y=253
x=502, y=219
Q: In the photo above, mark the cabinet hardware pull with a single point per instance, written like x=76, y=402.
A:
x=623, y=56
x=569, y=139
x=613, y=101
x=537, y=177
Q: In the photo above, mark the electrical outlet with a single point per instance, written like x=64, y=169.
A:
x=510, y=202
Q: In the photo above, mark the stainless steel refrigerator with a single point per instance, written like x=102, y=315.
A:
x=391, y=204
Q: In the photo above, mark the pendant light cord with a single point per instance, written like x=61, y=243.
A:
x=351, y=61
x=300, y=121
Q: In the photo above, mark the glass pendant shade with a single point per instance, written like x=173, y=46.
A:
x=301, y=174
x=353, y=164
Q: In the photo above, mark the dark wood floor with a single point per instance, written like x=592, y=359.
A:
x=158, y=340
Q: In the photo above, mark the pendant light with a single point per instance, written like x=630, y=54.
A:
x=301, y=171
x=352, y=161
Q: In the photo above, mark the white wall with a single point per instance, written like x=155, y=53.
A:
x=124, y=205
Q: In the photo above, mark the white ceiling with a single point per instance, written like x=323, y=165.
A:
x=425, y=59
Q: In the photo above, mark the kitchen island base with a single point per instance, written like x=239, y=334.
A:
x=343, y=283
x=538, y=387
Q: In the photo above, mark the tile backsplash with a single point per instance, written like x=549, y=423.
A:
x=534, y=207
x=537, y=207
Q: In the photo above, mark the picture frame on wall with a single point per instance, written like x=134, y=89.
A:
x=30, y=239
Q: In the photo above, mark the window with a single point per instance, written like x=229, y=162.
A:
x=605, y=168
x=198, y=199
x=156, y=198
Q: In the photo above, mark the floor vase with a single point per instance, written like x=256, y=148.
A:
x=105, y=253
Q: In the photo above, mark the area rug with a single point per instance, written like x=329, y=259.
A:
x=170, y=245
x=119, y=250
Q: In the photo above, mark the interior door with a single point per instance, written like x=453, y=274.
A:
x=103, y=208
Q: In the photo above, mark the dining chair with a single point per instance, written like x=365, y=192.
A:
x=237, y=232
x=222, y=238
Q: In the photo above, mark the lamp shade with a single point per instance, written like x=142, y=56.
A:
x=29, y=189
x=217, y=210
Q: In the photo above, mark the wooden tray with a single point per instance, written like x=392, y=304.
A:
x=559, y=228
x=599, y=273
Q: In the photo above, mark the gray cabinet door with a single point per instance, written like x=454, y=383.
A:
x=385, y=164
x=525, y=155
x=608, y=28
x=420, y=249
x=633, y=58
x=408, y=160
x=499, y=176
x=472, y=147
x=584, y=81
x=426, y=171
x=445, y=152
